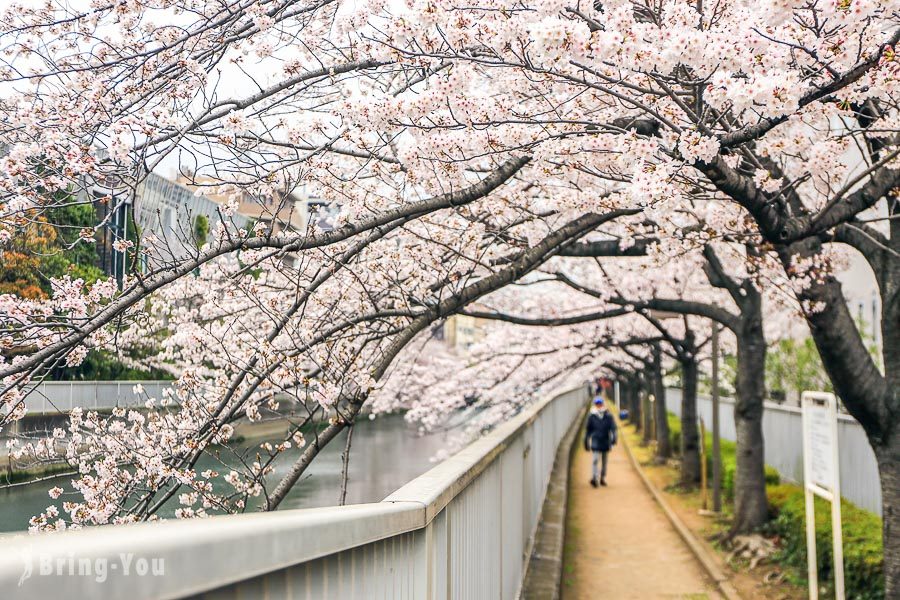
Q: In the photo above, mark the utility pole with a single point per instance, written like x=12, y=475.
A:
x=716, y=450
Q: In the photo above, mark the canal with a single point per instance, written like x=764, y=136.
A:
x=385, y=454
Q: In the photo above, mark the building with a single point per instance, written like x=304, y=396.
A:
x=114, y=210
x=462, y=331
x=295, y=210
x=176, y=215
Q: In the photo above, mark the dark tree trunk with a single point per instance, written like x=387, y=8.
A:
x=888, y=455
x=625, y=397
x=872, y=398
x=635, y=417
x=751, y=508
x=690, y=436
x=663, y=444
x=646, y=414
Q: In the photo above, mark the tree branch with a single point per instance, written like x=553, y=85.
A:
x=606, y=248
x=301, y=241
x=547, y=322
x=757, y=130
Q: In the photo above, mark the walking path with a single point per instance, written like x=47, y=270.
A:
x=620, y=545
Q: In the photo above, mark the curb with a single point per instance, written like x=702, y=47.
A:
x=707, y=561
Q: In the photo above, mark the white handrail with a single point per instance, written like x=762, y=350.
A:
x=206, y=554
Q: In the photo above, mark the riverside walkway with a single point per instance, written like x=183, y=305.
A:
x=472, y=527
x=619, y=543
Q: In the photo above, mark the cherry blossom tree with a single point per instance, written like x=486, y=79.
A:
x=767, y=126
x=785, y=110
x=360, y=306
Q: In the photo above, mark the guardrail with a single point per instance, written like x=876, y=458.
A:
x=49, y=397
x=464, y=529
x=783, y=436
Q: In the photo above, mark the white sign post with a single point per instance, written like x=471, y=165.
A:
x=821, y=477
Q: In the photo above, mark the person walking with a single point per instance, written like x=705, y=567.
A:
x=599, y=438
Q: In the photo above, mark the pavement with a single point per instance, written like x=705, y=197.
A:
x=620, y=544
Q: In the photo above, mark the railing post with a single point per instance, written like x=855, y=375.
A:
x=423, y=569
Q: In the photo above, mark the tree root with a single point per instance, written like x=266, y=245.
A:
x=753, y=547
x=774, y=577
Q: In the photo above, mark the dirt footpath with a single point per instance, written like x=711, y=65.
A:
x=620, y=545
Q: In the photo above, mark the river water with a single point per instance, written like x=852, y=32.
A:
x=385, y=454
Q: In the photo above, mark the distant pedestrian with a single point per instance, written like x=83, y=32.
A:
x=599, y=438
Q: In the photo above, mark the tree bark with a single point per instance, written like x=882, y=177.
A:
x=872, y=398
x=634, y=404
x=690, y=436
x=646, y=415
x=888, y=452
x=636, y=413
x=888, y=456
x=751, y=507
x=663, y=444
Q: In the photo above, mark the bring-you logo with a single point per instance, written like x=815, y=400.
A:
x=97, y=568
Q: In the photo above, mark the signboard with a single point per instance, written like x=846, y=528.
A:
x=822, y=477
x=821, y=446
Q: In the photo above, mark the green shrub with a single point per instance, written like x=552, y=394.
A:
x=729, y=459
x=104, y=366
x=863, y=554
x=729, y=469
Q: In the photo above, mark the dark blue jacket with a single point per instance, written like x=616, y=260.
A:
x=601, y=432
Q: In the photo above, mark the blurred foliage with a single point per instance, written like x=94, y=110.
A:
x=794, y=366
x=102, y=366
x=43, y=251
x=727, y=377
x=201, y=229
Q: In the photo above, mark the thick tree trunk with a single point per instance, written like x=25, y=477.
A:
x=751, y=508
x=886, y=442
x=871, y=397
x=663, y=444
x=690, y=436
x=625, y=395
x=888, y=455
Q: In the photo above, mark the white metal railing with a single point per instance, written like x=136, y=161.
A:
x=783, y=436
x=49, y=397
x=464, y=530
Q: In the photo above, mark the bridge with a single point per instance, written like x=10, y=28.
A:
x=464, y=529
